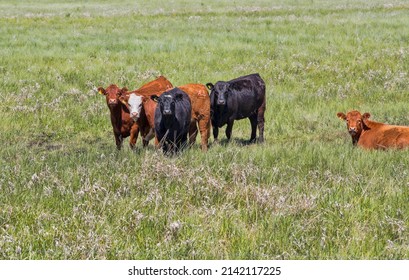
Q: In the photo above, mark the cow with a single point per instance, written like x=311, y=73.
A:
x=200, y=101
x=369, y=134
x=244, y=97
x=200, y=117
x=172, y=119
x=142, y=108
x=122, y=124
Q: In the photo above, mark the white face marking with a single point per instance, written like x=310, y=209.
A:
x=135, y=105
x=168, y=96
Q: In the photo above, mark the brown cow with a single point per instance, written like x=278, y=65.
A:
x=143, y=107
x=374, y=135
x=200, y=100
x=122, y=122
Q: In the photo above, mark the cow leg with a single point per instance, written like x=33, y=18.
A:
x=133, y=136
x=204, y=128
x=253, y=122
x=215, y=133
x=192, y=132
x=183, y=142
x=165, y=147
x=175, y=143
x=144, y=136
x=157, y=142
x=118, y=140
x=260, y=123
x=229, y=129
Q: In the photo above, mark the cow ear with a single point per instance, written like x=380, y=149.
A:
x=155, y=97
x=102, y=91
x=123, y=99
x=210, y=86
x=179, y=96
x=123, y=90
x=341, y=116
x=366, y=116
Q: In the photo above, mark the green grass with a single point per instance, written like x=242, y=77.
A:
x=306, y=193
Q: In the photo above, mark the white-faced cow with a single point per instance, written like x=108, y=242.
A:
x=172, y=119
x=142, y=108
x=244, y=97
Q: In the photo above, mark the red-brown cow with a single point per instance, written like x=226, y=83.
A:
x=374, y=135
x=123, y=123
x=200, y=100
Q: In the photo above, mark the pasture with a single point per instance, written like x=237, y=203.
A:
x=305, y=193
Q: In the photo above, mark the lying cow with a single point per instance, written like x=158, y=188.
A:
x=244, y=97
x=374, y=135
x=172, y=119
x=122, y=124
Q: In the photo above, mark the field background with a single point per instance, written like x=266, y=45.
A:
x=306, y=193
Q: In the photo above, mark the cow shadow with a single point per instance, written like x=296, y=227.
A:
x=238, y=141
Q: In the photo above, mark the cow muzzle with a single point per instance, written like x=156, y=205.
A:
x=135, y=116
x=167, y=112
x=353, y=131
x=112, y=102
x=221, y=102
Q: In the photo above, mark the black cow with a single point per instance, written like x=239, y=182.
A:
x=172, y=119
x=244, y=97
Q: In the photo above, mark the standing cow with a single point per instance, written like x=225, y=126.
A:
x=142, y=108
x=200, y=118
x=200, y=100
x=123, y=123
x=374, y=135
x=172, y=119
x=244, y=97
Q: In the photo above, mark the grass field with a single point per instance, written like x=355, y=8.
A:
x=306, y=193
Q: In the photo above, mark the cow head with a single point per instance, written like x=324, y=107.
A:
x=112, y=94
x=134, y=103
x=355, y=123
x=167, y=103
x=220, y=91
